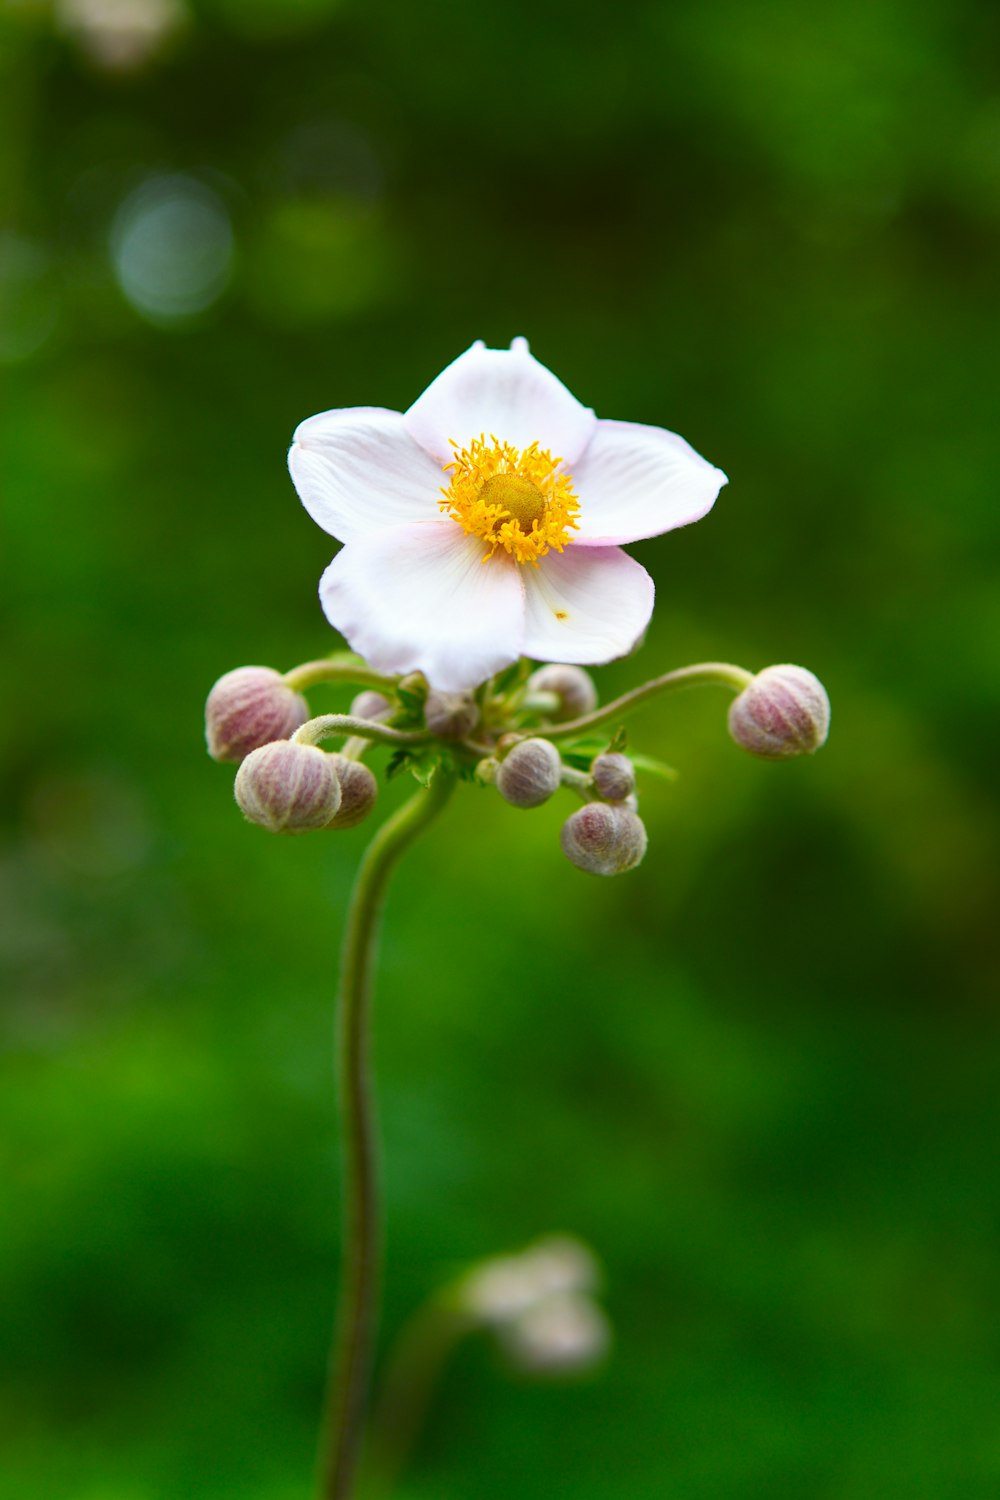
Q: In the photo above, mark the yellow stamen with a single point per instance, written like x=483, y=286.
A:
x=513, y=498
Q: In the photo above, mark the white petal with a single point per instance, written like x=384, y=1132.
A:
x=502, y=393
x=358, y=470
x=587, y=604
x=420, y=598
x=636, y=481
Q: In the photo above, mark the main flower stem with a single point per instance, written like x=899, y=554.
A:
x=354, y=1336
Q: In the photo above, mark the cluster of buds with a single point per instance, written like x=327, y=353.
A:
x=604, y=837
x=542, y=1307
x=509, y=734
x=285, y=786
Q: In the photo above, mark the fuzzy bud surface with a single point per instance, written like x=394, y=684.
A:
x=358, y=791
x=451, y=716
x=288, y=788
x=530, y=773
x=250, y=707
x=614, y=776
x=571, y=685
x=783, y=712
x=604, y=838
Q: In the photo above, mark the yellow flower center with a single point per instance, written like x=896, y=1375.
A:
x=512, y=498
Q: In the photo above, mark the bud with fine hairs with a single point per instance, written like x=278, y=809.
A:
x=604, y=838
x=288, y=788
x=451, y=716
x=530, y=773
x=783, y=712
x=613, y=775
x=250, y=707
x=571, y=685
x=358, y=791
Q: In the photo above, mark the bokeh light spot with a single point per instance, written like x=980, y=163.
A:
x=172, y=248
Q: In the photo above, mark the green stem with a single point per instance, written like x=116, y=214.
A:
x=706, y=673
x=413, y=1370
x=334, y=726
x=352, y=1347
x=343, y=668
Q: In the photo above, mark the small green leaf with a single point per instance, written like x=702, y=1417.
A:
x=654, y=767
x=618, y=742
x=397, y=764
x=425, y=766
x=412, y=703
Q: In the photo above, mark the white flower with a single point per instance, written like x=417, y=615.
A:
x=484, y=523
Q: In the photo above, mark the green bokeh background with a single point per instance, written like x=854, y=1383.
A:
x=760, y=1075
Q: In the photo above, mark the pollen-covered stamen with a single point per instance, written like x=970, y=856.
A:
x=512, y=498
x=520, y=498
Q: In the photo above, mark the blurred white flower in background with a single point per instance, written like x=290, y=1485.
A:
x=542, y=1306
x=121, y=36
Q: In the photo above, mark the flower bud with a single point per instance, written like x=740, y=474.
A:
x=369, y=705
x=451, y=716
x=287, y=787
x=358, y=791
x=604, y=838
x=249, y=707
x=571, y=685
x=614, y=776
x=486, y=770
x=784, y=711
x=530, y=774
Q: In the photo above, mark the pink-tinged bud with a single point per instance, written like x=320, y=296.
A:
x=288, y=788
x=358, y=791
x=783, y=712
x=614, y=776
x=571, y=685
x=250, y=707
x=604, y=838
x=451, y=716
x=530, y=773
x=370, y=705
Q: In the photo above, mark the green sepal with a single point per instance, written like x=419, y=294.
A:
x=423, y=764
x=654, y=767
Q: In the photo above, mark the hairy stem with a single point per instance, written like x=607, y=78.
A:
x=342, y=668
x=704, y=674
x=352, y=1348
x=335, y=726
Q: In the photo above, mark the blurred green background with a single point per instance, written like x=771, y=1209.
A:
x=760, y=1075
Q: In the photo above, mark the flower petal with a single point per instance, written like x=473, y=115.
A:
x=636, y=481
x=585, y=605
x=504, y=393
x=420, y=598
x=358, y=470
